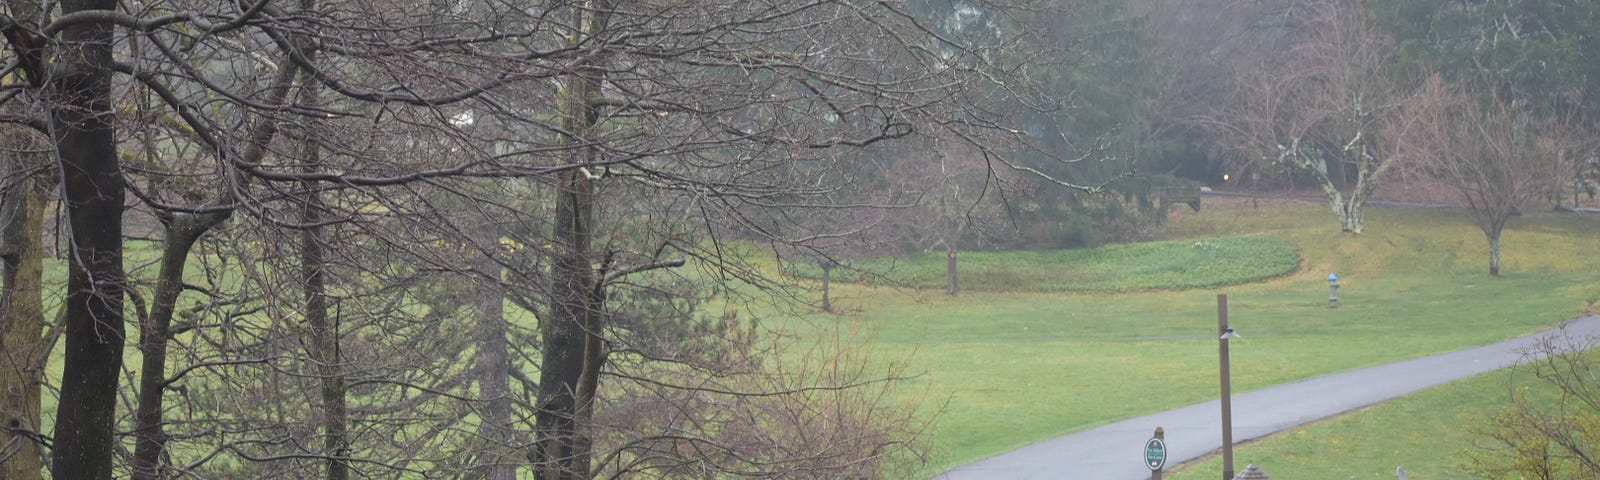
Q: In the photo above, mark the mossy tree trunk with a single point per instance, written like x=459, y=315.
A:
x=22, y=341
x=573, y=347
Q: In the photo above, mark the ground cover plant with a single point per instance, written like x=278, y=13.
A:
x=1007, y=369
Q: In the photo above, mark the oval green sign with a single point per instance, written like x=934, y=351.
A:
x=1155, y=454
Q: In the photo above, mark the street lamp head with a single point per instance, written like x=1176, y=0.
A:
x=1229, y=334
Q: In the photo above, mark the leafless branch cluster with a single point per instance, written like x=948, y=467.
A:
x=1548, y=431
x=1304, y=88
x=1497, y=155
x=415, y=239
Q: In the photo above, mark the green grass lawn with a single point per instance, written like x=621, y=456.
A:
x=1025, y=355
x=1006, y=369
x=1425, y=432
x=1131, y=267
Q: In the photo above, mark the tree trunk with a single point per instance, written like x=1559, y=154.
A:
x=1333, y=175
x=827, y=281
x=324, y=329
x=1494, y=254
x=594, y=358
x=1350, y=209
x=573, y=349
x=22, y=341
x=494, y=380
x=565, y=381
x=155, y=334
x=93, y=192
x=324, y=345
x=565, y=335
x=1350, y=217
x=182, y=231
x=952, y=273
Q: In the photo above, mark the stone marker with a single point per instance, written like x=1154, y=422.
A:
x=1252, y=473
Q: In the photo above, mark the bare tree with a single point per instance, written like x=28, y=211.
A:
x=957, y=202
x=1496, y=154
x=23, y=344
x=189, y=205
x=1548, y=430
x=24, y=347
x=648, y=135
x=1305, y=90
x=78, y=81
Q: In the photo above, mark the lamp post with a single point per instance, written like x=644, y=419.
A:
x=1225, y=333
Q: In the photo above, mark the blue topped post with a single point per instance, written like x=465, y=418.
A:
x=1333, y=291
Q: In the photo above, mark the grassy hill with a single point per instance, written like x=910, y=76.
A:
x=1006, y=368
x=1120, y=268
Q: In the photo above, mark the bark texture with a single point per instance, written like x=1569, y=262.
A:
x=93, y=192
x=573, y=347
x=22, y=341
x=155, y=335
x=494, y=380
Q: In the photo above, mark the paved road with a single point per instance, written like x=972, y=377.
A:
x=1115, y=451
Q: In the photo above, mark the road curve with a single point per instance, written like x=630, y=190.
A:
x=1115, y=451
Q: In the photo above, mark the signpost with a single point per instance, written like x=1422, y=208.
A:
x=1155, y=454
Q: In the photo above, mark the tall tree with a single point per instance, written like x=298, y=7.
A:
x=183, y=227
x=1538, y=51
x=1496, y=155
x=573, y=355
x=22, y=319
x=23, y=198
x=324, y=348
x=79, y=81
x=1304, y=90
x=654, y=132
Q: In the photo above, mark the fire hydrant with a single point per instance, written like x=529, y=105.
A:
x=1333, y=291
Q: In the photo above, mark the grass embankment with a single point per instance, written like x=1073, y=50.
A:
x=1133, y=267
x=1006, y=369
x=1424, y=432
